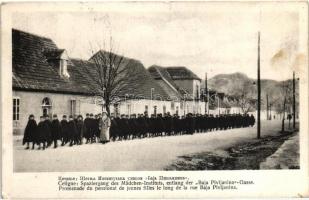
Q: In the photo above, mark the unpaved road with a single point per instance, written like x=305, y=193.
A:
x=151, y=154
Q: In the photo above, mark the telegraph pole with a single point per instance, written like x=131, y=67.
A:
x=267, y=108
x=259, y=92
x=294, y=100
x=270, y=117
x=151, y=101
x=206, y=94
x=207, y=101
x=218, y=104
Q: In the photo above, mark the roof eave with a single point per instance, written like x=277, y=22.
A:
x=187, y=79
x=52, y=91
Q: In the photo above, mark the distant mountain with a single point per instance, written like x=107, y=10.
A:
x=232, y=84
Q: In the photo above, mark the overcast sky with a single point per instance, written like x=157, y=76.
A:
x=203, y=37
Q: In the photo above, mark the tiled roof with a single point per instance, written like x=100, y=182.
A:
x=139, y=82
x=173, y=95
x=181, y=73
x=32, y=71
x=53, y=53
x=160, y=73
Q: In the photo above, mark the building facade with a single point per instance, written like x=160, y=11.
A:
x=184, y=82
x=47, y=81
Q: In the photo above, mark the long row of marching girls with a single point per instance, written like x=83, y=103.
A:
x=70, y=130
x=101, y=129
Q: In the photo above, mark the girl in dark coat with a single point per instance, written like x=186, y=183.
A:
x=49, y=124
x=80, y=127
x=55, y=130
x=93, y=128
x=30, y=132
x=87, y=128
x=113, y=129
x=64, y=130
x=72, y=131
x=43, y=132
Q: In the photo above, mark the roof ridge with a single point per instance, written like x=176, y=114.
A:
x=32, y=34
x=181, y=72
x=168, y=83
x=116, y=54
x=80, y=59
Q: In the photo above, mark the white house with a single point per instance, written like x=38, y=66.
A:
x=47, y=81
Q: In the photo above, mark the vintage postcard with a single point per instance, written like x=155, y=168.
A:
x=154, y=99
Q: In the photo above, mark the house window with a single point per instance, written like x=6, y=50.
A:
x=155, y=110
x=181, y=105
x=116, y=110
x=46, y=106
x=164, y=109
x=16, y=108
x=177, y=110
x=73, y=107
x=197, y=92
x=129, y=109
x=172, y=105
x=146, y=110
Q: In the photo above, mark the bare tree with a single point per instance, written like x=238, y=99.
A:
x=286, y=100
x=110, y=75
x=245, y=100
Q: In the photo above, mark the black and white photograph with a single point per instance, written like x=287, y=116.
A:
x=156, y=88
x=108, y=91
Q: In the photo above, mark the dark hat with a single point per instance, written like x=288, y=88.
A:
x=87, y=114
x=41, y=117
x=91, y=114
x=64, y=116
x=31, y=115
x=71, y=116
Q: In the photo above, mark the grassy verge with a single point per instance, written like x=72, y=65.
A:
x=243, y=156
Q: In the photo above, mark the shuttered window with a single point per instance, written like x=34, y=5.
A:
x=16, y=102
x=146, y=110
x=73, y=107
